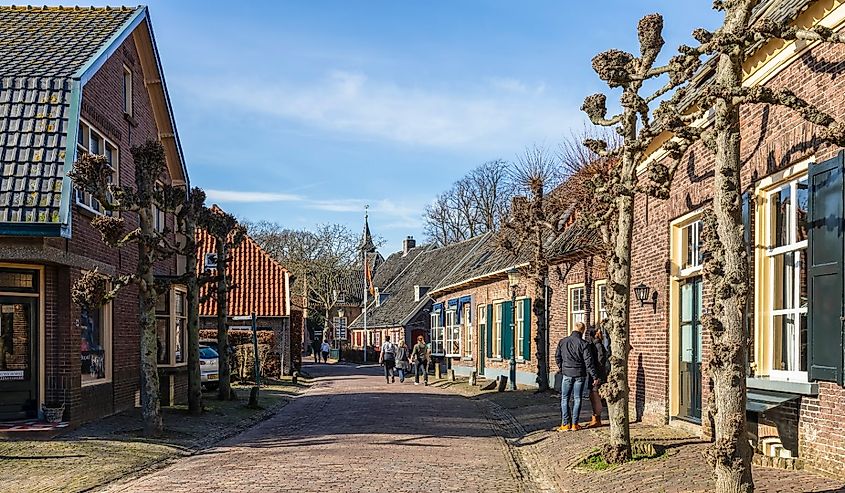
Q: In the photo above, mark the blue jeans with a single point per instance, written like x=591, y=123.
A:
x=571, y=387
x=421, y=370
x=401, y=374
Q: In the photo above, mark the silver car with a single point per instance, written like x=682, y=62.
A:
x=208, y=367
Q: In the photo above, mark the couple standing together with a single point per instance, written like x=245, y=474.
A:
x=398, y=358
x=583, y=361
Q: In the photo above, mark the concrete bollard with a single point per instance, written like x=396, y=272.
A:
x=450, y=375
x=473, y=377
x=437, y=374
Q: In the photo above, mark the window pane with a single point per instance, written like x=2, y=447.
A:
x=92, y=350
x=17, y=280
x=15, y=341
x=785, y=271
x=163, y=304
x=81, y=138
x=163, y=335
x=781, y=217
x=180, y=303
x=802, y=206
x=180, y=340
x=790, y=342
x=109, y=154
x=95, y=147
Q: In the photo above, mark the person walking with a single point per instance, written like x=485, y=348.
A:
x=325, y=348
x=388, y=359
x=599, y=353
x=419, y=356
x=402, y=365
x=575, y=360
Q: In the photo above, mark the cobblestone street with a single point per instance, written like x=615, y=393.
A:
x=352, y=432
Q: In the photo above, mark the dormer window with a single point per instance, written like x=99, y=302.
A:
x=90, y=141
x=127, y=90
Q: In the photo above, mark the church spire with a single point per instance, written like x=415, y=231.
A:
x=367, y=245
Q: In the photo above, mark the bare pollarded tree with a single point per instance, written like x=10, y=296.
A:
x=91, y=173
x=532, y=220
x=472, y=206
x=614, y=187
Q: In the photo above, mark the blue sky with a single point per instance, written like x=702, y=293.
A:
x=301, y=112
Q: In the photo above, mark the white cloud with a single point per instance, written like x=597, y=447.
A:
x=404, y=215
x=252, y=197
x=501, y=114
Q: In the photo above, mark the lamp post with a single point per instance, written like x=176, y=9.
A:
x=513, y=282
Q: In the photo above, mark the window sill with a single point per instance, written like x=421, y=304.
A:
x=466, y=358
x=94, y=383
x=762, y=383
x=88, y=211
x=496, y=358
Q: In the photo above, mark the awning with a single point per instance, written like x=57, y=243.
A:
x=763, y=400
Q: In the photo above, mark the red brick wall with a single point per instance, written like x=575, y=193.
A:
x=773, y=139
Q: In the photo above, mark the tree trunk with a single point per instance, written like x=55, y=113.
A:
x=730, y=455
x=224, y=388
x=192, y=284
x=616, y=391
x=150, y=401
x=539, y=272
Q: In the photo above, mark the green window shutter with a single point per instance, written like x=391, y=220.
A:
x=488, y=338
x=526, y=341
x=507, y=331
x=825, y=252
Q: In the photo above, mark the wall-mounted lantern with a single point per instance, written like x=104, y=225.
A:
x=645, y=296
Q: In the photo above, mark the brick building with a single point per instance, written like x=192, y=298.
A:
x=402, y=307
x=473, y=315
x=261, y=287
x=793, y=205
x=75, y=80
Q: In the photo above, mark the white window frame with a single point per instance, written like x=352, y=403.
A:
x=466, y=348
x=519, y=327
x=452, y=342
x=340, y=328
x=106, y=320
x=437, y=335
x=601, y=300
x=128, y=99
x=83, y=199
x=171, y=327
x=482, y=323
x=795, y=247
x=695, y=267
x=497, y=330
x=579, y=315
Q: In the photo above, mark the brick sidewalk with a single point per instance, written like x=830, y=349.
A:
x=550, y=456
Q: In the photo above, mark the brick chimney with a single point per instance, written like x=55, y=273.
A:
x=407, y=244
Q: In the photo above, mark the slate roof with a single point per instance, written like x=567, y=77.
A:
x=428, y=268
x=397, y=262
x=43, y=51
x=258, y=278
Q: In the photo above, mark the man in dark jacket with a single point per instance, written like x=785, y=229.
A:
x=575, y=360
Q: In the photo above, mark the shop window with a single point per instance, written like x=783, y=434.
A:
x=95, y=339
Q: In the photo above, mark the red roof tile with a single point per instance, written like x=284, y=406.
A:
x=258, y=278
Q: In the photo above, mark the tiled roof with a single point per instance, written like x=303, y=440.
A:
x=428, y=268
x=54, y=41
x=42, y=50
x=386, y=272
x=33, y=117
x=259, y=280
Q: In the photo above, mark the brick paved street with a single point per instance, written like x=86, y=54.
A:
x=352, y=432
